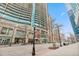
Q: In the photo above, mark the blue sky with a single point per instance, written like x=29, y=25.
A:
x=58, y=12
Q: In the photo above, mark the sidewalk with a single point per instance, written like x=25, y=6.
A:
x=41, y=50
x=71, y=50
x=25, y=50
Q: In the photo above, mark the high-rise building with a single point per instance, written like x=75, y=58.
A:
x=73, y=12
x=49, y=29
x=15, y=22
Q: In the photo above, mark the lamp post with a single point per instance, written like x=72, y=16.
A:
x=33, y=25
x=33, y=50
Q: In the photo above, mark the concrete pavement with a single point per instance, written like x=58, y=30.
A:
x=25, y=50
x=71, y=50
x=41, y=50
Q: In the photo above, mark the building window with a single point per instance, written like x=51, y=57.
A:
x=20, y=34
x=4, y=30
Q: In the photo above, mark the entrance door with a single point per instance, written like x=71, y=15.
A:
x=16, y=40
x=19, y=40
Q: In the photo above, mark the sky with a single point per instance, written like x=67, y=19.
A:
x=59, y=14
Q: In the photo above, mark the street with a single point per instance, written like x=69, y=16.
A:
x=41, y=50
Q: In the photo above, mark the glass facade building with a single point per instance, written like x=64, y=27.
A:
x=15, y=22
x=73, y=12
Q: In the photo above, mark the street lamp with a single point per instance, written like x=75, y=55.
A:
x=33, y=50
x=33, y=25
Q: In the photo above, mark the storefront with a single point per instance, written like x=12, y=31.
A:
x=43, y=36
x=20, y=37
x=5, y=35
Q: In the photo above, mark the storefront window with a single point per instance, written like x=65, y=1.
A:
x=20, y=34
x=43, y=34
x=10, y=31
x=4, y=30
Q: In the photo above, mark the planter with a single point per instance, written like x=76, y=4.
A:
x=53, y=48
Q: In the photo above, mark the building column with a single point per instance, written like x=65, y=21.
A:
x=13, y=35
x=7, y=32
x=0, y=29
x=47, y=36
x=40, y=37
x=26, y=37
